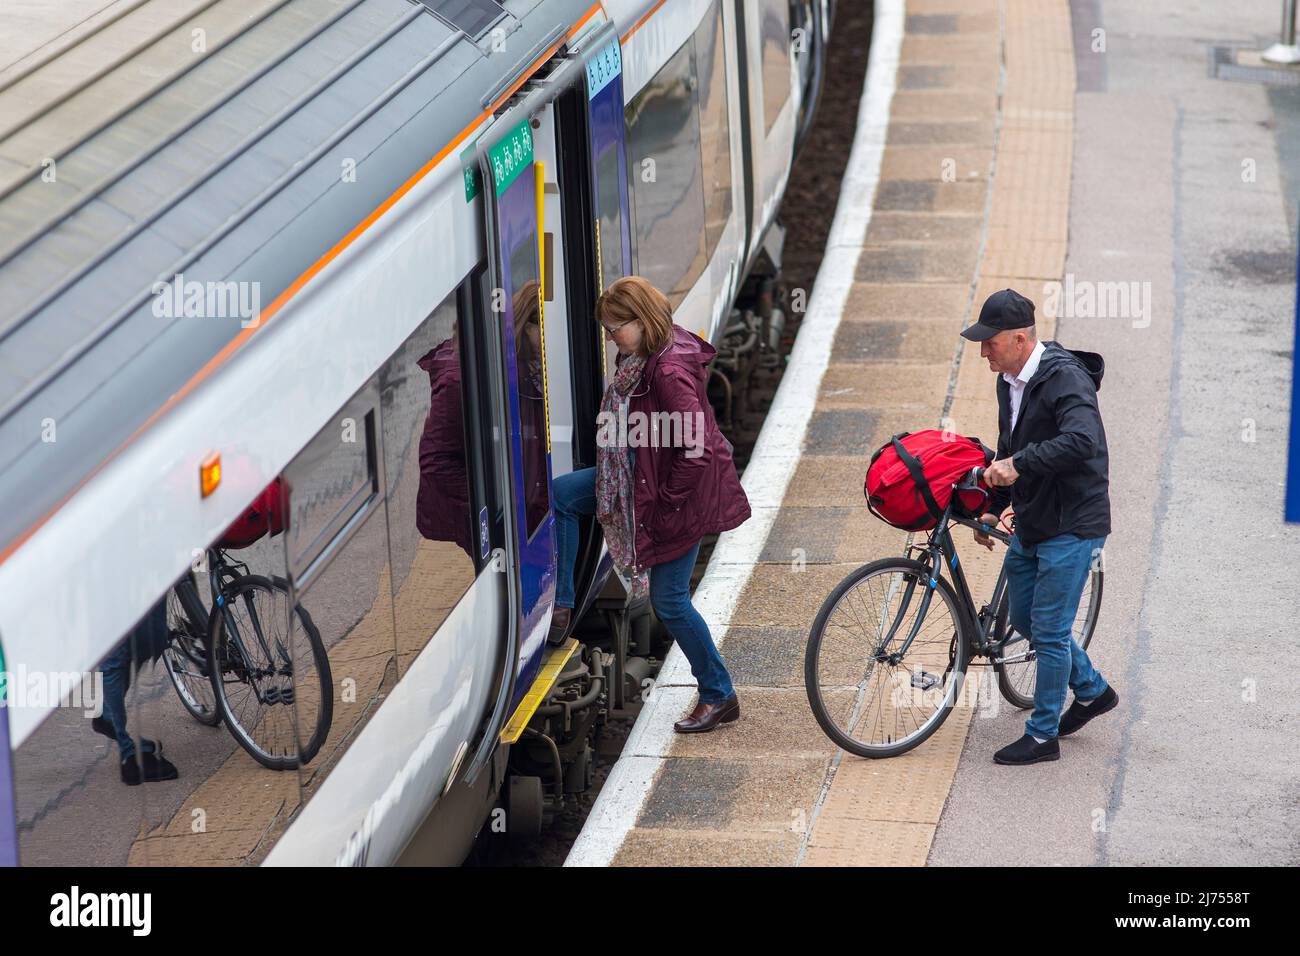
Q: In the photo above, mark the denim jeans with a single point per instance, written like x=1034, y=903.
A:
x=1044, y=582
x=116, y=668
x=670, y=596
x=572, y=496
x=139, y=645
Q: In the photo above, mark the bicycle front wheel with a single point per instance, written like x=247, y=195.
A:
x=272, y=686
x=871, y=695
x=1017, y=664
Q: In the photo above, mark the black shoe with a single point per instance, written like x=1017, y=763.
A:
x=1028, y=750
x=100, y=725
x=1078, y=715
x=151, y=768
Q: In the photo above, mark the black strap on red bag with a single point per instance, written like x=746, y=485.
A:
x=918, y=476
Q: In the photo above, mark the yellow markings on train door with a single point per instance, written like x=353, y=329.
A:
x=600, y=284
x=540, y=192
x=556, y=658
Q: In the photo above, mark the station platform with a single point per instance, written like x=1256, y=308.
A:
x=1023, y=143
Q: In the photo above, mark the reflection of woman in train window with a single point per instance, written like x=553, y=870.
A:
x=656, y=496
x=442, y=502
x=532, y=401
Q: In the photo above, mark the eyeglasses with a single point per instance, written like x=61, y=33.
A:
x=615, y=328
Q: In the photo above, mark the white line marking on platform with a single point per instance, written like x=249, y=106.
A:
x=776, y=454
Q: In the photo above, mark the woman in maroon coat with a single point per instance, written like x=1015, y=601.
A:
x=664, y=478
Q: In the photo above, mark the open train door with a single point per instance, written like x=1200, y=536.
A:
x=597, y=239
x=515, y=314
x=568, y=101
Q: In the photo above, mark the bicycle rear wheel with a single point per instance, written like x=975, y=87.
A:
x=1017, y=664
x=272, y=687
x=186, y=656
x=868, y=699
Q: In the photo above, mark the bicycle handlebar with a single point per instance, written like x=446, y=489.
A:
x=973, y=479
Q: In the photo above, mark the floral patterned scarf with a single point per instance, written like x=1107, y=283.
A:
x=614, y=487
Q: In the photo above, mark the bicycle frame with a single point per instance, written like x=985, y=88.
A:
x=221, y=571
x=941, y=552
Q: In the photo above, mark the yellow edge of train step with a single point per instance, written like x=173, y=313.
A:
x=556, y=658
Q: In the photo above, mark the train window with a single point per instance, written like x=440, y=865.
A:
x=433, y=532
x=610, y=208
x=526, y=306
x=203, y=797
x=228, y=614
x=471, y=16
x=663, y=135
x=340, y=624
x=340, y=468
x=715, y=128
x=775, y=37
x=73, y=803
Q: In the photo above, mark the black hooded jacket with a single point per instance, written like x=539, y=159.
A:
x=1058, y=447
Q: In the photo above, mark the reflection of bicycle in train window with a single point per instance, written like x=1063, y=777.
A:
x=239, y=662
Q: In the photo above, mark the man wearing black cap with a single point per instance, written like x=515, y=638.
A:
x=1052, y=467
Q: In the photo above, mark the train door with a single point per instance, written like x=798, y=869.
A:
x=557, y=146
x=598, y=230
x=514, y=309
x=604, y=89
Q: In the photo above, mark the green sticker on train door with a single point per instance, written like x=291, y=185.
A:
x=470, y=171
x=511, y=156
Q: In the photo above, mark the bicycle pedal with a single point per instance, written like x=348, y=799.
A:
x=926, y=681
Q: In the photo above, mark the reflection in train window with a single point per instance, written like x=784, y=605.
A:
x=341, y=464
x=342, y=635
x=532, y=384
x=715, y=129
x=663, y=137
x=775, y=32
x=432, y=528
x=75, y=805
x=187, y=792
x=610, y=208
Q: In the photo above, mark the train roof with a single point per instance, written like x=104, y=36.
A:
x=218, y=140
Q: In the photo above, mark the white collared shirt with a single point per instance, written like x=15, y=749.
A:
x=1018, y=382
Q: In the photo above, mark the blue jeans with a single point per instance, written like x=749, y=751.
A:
x=116, y=668
x=145, y=638
x=574, y=495
x=1044, y=582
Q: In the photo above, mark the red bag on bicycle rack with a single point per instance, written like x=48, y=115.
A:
x=267, y=512
x=910, y=478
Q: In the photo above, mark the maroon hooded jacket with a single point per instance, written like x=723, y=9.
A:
x=681, y=497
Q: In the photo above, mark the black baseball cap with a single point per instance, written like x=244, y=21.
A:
x=1003, y=310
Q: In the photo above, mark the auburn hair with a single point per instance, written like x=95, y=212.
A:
x=633, y=298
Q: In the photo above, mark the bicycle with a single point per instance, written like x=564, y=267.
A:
x=235, y=662
x=938, y=650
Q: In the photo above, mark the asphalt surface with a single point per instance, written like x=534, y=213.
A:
x=1186, y=183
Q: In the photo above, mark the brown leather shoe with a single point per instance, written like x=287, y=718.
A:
x=707, y=716
x=559, y=624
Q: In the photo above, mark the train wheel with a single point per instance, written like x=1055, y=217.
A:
x=524, y=806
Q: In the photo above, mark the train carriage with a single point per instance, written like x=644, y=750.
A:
x=338, y=259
